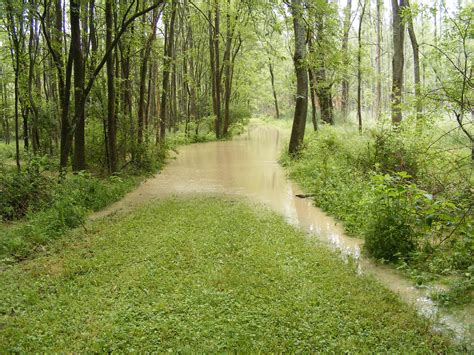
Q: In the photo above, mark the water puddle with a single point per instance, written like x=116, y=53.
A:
x=247, y=166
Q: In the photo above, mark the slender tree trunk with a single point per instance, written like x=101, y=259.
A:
x=397, y=60
x=111, y=118
x=359, y=68
x=345, y=46
x=79, y=157
x=32, y=50
x=169, y=42
x=301, y=107
x=416, y=64
x=64, y=84
x=143, y=76
x=14, y=33
x=228, y=68
x=217, y=74
x=6, y=132
x=212, y=62
x=378, y=60
x=312, y=90
x=275, y=98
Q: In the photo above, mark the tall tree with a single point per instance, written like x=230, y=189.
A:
x=345, y=54
x=416, y=61
x=111, y=118
x=359, y=65
x=217, y=72
x=378, y=59
x=79, y=157
x=16, y=37
x=398, y=28
x=301, y=106
x=169, y=43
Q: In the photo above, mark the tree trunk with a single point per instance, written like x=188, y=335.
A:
x=111, y=118
x=169, y=42
x=397, y=60
x=15, y=31
x=416, y=64
x=212, y=62
x=359, y=68
x=378, y=59
x=217, y=73
x=228, y=68
x=79, y=157
x=301, y=106
x=32, y=50
x=312, y=90
x=345, y=55
x=143, y=77
x=275, y=98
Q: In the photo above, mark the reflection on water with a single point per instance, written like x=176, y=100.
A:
x=247, y=166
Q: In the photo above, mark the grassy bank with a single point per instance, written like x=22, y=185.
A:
x=200, y=275
x=408, y=193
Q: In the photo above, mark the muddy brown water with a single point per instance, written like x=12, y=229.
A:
x=247, y=166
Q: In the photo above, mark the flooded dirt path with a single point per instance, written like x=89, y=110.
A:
x=247, y=166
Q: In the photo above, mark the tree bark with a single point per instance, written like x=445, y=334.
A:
x=275, y=98
x=111, y=118
x=228, y=68
x=169, y=42
x=359, y=68
x=397, y=60
x=345, y=46
x=312, y=90
x=143, y=78
x=217, y=74
x=378, y=59
x=416, y=64
x=32, y=51
x=79, y=156
x=15, y=31
x=301, y=106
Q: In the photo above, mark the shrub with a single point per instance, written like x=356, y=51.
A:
x=390, y=232
x=24, y=191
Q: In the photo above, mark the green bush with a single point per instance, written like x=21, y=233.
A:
x=7, y=151
x=24, y=191
x=390, y=232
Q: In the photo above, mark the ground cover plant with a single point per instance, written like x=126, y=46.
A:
x=171, y=276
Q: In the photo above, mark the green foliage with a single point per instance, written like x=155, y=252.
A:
x=7, y=151
x=390, y=231
x=24, y=191
x=66, y=207
x=459, y=292
x=172, y=277
x=409, y=197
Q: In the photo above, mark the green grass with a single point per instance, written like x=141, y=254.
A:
x=200, y=275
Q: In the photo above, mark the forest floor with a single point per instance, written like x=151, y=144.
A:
x=200, y=274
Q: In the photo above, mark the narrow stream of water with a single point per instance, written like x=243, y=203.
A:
x=247, y=166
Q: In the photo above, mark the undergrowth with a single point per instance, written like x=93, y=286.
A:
x=408, y=193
